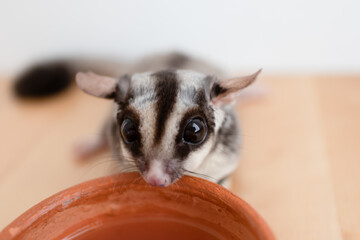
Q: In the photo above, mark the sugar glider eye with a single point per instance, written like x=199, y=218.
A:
x=195, y=131
x=129, y=131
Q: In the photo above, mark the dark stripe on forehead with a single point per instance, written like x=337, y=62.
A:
x=123, y=93
x=166, y=91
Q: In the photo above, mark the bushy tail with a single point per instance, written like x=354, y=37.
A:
x=43, y=80
x=50, y=77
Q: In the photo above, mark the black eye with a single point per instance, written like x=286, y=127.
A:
x=128, y=131
x=195, y=131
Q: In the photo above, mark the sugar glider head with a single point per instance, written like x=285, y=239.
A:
x=167, y=120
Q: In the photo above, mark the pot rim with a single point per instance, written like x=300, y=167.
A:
x=76, y=194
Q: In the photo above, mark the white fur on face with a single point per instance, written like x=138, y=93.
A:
x=143, y=86
x=144, y=104
x=219, y=118
x=220, y=162
x=161, y=155
x=156, y=175
x=196, y=159
x=147, y=128
x=190, y=79
x=144, y=89
x=140, y=80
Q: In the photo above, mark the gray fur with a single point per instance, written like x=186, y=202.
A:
x=161, y=156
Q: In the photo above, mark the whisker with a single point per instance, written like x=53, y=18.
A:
x=179, y=176
x=126, y=185
x=201, y=175
x=96, y=165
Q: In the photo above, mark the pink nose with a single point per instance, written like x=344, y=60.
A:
x=156, y=181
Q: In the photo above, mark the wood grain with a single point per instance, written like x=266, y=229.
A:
x=299, y=166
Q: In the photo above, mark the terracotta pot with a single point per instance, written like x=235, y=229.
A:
x=125, y=207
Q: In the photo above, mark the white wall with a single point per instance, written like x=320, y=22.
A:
x=278, y=35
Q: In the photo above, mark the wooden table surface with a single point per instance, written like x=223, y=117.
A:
x=300, y=166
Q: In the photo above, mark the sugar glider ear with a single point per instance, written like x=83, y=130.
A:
x=227, y=90
x=96, y=85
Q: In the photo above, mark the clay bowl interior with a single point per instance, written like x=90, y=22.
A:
x=125, y=207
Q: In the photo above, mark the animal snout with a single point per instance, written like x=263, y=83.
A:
x=157, y=181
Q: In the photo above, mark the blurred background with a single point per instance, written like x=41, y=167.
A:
x=278, y=35
x=300, y=159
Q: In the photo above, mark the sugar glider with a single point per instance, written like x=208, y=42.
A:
x=172, y=114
